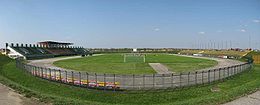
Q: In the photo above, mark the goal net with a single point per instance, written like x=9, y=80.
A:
x=134, y=57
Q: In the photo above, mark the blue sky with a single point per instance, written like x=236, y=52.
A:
x=131, y=23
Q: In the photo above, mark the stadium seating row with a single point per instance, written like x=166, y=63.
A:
x=36, y=52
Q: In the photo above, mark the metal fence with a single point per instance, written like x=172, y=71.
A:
x=133, y=82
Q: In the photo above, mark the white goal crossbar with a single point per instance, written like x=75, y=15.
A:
x=134, y=55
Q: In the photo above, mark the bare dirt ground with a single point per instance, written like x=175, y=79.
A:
x=160, y=68
x=9, y=97
x=252, y=99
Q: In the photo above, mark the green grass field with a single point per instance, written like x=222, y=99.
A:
x=61, y=94
x=114, y=63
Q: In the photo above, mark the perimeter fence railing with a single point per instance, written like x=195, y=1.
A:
x=132, y=82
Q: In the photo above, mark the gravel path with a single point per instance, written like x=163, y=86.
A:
x=9, y=97
x=160, y=68
x=221, y=62
x=49, y=62
x=252, y=99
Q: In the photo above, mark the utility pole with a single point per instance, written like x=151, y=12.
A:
x=205, y=45
x=214, y=45
x=231, y=44
x=199, y=44
x=208, y=45
x=211, y=45
x=218, y=45
x=226, y=45
x=222, y=45
x=249, y=41
x=258, y=46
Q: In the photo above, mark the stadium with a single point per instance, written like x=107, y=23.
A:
x=128, y=70
x=129, y=52
x=134, y=70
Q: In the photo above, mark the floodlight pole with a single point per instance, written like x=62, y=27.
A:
x=6, y=45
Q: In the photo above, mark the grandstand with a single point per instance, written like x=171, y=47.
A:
x=46, y=49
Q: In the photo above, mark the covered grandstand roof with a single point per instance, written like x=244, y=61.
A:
x=54, y=43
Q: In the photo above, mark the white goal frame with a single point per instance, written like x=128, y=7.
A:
x=135, y=54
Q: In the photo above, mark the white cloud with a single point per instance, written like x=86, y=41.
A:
x=201, y=32
x=243, y=30
x=256, y=21
x=156, y=29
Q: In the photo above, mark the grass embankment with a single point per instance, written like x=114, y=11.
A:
x=63, y=94
x=216, y=53
x=114, y=63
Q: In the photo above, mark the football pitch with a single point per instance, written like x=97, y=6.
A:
x=119, y=64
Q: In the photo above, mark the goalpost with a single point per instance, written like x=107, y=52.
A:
x=134, y=57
